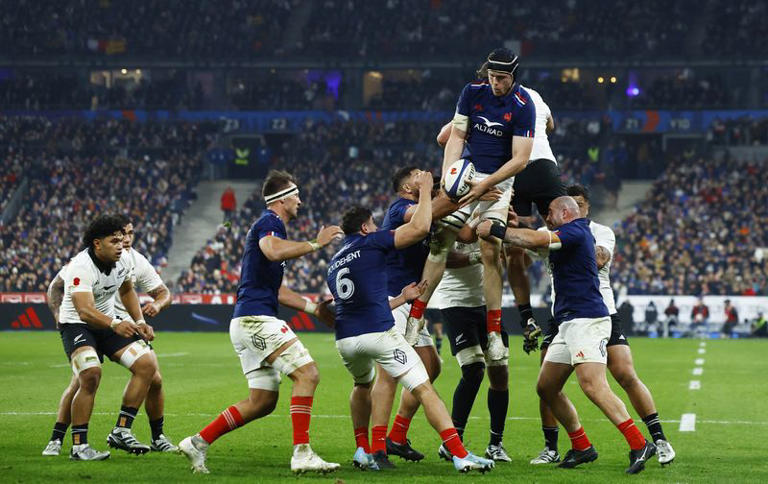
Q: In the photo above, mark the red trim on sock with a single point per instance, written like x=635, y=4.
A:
x=453, y=443
x=399, y=431
x=417, y=308
x=493, y=320
x=379, y=438
x=227, y=421
x=579, y=440
x=301, y=413
x=633, y=435
x=361, y=439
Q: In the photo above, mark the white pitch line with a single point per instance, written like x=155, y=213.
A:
x=702, y=344
x=694, y=385
x=702, y=351
x=688, y=422
x=698, y=371
x=171, y=355
x=699, y=361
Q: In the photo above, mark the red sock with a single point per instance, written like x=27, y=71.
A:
x=493, y=320
x=579, y=440
x=417, y=308
x=227, y=421
x=453, y=443
x=361, y=439
x=399, y=429
x=633, y=435
x=301, y=412
x=378, y=439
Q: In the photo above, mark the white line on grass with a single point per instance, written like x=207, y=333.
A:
x=694, y=385
x=698, y=370
x=171, y=355
x=699, y=361
x=703, y=344
x=688, y=422
x=702, y=351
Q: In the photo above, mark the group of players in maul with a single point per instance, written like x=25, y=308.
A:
x=429, y=249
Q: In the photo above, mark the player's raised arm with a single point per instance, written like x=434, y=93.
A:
x=418, y=227
x=277, y=249
x=524, y=238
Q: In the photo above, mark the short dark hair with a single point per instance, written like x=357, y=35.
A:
x=276, y=180
x=577, y=190
x=124, y=219
x=353, y=218
x=482, y=72
x=400, y=175
x=103, y=226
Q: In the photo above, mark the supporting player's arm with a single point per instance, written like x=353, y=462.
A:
x=602, y=255
x=523, y=238
x=161, y=299
x=455, y=145
x=55, y=295
x=444, y=134
x=457, y=260
x=550, y=123
x=292, y=299
x=418, y=227
x=276, y=249
x=87, y=312
x=131, y=302
x=408, y=294
x=442, y=205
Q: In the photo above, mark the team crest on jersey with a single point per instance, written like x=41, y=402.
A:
x=508, y=117
x=478, y=107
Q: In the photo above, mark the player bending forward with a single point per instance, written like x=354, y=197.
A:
x=145, y=278
x=365, y=332
x=619, y=355
x=585, y=328
x=266, y=345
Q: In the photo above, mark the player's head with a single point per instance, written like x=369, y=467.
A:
x=104, y=236
x=402, y=181
x=358, y=219
x=482, y=72
x=561, y=211
x=281, y=193
x=128, y=232
x=502, y=66
x=580, y=193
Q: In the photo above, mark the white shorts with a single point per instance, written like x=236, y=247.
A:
x=390, y=350
x=582, y=340
x=257, y=337
x=401, y=318
x=494, y=210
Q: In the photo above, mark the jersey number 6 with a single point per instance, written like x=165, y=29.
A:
x=344, y=287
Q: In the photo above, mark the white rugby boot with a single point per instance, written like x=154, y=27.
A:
x=53, y=448
x=195, y=448
x=304, y=460
x=86, y=452
x=546, y=456
x=472, y=463
x=163, y=444
x=665, y=452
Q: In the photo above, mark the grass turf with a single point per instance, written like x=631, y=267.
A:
x=202, y=376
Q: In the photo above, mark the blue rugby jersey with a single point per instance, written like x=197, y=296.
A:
x=358, y=281
x=574, y=274
x=404, y=266
x=493, y=121
x=260, y=278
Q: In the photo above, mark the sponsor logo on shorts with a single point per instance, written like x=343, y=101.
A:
x=400, y=356
x=79, y=338
x=580, y=354
x=460, y=339
x=258, y=342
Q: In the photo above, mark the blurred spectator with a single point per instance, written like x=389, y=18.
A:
x=699, y=315
x=672, y=314
x=651, y=315
x=228, y=203
x=731, y=319
x=759, y=326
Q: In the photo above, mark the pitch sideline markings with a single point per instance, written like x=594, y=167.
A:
x=688, y=422
x=694, y=385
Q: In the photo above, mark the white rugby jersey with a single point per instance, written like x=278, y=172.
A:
x=461, y=287
x=143, y=276
x=541, y=148
x=82, y=275
x=604, y=237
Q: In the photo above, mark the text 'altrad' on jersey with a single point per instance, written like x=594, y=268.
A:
x=358, y=281
x=404, y=266
x=493, y=121
x=260, y=278
x=574, y=274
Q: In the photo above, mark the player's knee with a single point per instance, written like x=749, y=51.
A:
x=498, y=377
x=625, y=377
x=89, y=379
x=472, y=374
x=591, y=387
x=144, y=368
x=157, y=381
x=307, y=374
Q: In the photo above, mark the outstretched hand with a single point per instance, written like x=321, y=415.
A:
x=413, y=290
x=326, y=235
x=325, y=314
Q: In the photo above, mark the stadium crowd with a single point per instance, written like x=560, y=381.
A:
x=697, y=232
x=75, y=173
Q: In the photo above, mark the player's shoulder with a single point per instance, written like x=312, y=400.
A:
x=81, y=261
x=600, y=229
x=521, y=97
x=476, y=88
x=400, y=204
x=268, y=219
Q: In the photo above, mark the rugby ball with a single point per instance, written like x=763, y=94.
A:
x=456, y=180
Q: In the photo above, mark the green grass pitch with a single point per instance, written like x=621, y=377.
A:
x=202, y=376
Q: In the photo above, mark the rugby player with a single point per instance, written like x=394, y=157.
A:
x=144, y=278
x=459, y=297
x=619, y=355
x=89, y=330
x=365, y=332
x=265, y=344
x=403, y=267
x=494, y=126
x=584, y=330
